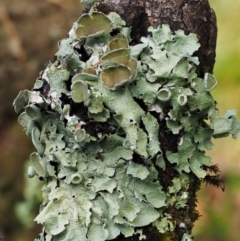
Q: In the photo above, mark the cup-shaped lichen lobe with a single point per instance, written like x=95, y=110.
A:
x=31, y=172
x=119, y=42
x=33, y=112
x=80, y=135
x=79, y=92
x=182, y=99
x=38, y=163
x=210, y=81
x=90, y=24
x=115, y=76
x=164, y=94
x=121, y=56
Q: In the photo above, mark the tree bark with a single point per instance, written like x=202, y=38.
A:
x=192, y=16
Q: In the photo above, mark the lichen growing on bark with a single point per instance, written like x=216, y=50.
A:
x=121, y=133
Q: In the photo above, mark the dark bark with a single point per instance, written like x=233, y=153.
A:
x=192, y=16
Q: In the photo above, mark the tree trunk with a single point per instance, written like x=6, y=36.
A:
x=192, y=16
x=55, y=125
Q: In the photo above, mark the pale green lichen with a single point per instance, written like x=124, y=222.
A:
x=102, y=103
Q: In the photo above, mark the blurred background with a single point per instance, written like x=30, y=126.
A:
x=29, y=33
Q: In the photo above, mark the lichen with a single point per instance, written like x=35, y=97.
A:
x=106, y=117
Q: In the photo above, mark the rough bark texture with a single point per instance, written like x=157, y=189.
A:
x=192, y=16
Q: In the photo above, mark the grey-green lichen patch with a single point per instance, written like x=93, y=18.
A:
x=228, y=124
x=106, y=117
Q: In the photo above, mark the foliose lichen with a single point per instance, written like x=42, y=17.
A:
x=105, y=117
